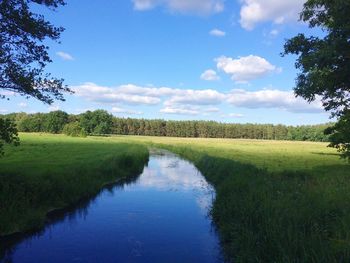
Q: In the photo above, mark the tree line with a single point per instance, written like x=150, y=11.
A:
x=100, y=122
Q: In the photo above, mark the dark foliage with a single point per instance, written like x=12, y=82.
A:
x=324, y=63
x=100, y=122
x=74, y=129
x=23, y=55
x=340, y=135
x=8, y=133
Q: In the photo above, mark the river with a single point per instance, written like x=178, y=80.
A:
x=161, y=216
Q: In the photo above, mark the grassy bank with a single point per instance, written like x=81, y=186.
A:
x=276, y=201
x=48, y=172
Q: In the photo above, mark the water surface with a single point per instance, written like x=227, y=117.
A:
x=162, y=216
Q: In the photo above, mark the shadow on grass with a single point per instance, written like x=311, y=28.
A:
x=327, y=154
x=289, y=216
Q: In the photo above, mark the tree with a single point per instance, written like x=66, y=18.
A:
x=324, y=62
x=55, y=121
x=8, y=133
x=23, y=56
x=340, y=135
x=97, y=122
x=74, y=129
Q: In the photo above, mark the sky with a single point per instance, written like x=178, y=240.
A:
x=178, y=59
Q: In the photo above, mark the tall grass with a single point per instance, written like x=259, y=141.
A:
x=49, y=172
x=276, y=201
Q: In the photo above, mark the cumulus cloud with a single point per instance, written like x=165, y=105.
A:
x=191, y=101
x=197, y=97
x=132, y=94
x=64, y=55
x=272, y=98
x=244, y=69
x=210, y=75
x=279, y=12
x=128, y=94
x=217, y=33
x=199, y=7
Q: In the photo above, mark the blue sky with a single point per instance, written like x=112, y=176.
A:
x=178, y=59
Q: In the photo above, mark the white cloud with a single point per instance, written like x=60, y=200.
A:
x=274, y=32
x=272, y=98
x=180, y=110
x=125, y=111
x=210, y=75
x=128, y=94
x=217, y=33
x=64, y=56
x=245, y=69
x=3, y=111
x=132, y=94
x=199, y=7
x=191, y=101
x=278, y=11
x=143, y=5
x=235, y=115
x=232, y=115
x=197, y=97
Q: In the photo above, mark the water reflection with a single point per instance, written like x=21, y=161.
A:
x=160, y=216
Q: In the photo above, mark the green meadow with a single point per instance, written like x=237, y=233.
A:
x=276, y=201
x=48, y=172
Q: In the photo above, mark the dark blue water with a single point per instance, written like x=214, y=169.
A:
x=160, y=217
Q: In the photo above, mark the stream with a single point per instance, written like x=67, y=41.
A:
x=160, y=216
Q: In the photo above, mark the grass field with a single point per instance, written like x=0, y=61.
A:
x=276, y=201
x=271, y=155
x=47, y=172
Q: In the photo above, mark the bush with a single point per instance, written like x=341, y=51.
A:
x=74, y=129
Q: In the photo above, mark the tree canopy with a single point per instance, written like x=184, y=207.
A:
x=8, y=133
x=100, y=122
x=23, y=54
x=324, y=62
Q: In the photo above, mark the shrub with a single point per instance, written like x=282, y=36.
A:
x=74, y=129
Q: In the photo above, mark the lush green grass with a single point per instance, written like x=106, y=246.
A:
x=47, y=172
x=270, y=155
x=276, y=201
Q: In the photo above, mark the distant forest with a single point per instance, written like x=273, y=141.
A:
x=100, y=122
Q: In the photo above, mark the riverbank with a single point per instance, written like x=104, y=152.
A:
x=276, y=201
x=160, y=216
x=49, y=172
